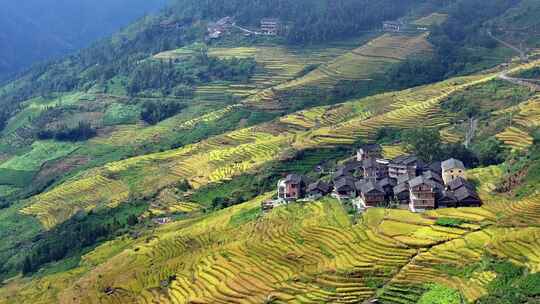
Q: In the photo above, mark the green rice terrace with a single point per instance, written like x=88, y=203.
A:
x=138, y=170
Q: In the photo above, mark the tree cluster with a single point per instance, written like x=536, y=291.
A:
x=79, y=232
x=156, y=111
x=83, y=131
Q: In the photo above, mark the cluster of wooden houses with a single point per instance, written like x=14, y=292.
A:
x=372, y=181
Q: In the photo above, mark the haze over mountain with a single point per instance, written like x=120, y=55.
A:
x=37, y=30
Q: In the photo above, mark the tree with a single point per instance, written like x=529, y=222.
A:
x=490, y=152
x=132, y=220
x=424, y=142
x=27, y=266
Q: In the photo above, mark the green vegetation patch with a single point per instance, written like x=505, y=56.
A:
x=450, y=222
x=118, y=114
x=42, y=151
x=513, y=284
x=15, y=178
x=439, y=294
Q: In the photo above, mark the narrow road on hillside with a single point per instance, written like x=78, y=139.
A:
x=532, y=84
x=522, y=53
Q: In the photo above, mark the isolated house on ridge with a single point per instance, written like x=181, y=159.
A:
x=270, y=26
x=392, y=26
x=292, y=188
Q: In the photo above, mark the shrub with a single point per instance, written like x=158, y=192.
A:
x=438, y=294
x=450, y=222
x=83, y=131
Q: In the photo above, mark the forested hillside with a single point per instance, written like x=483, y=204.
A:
x=35, y=31
x=133, y=170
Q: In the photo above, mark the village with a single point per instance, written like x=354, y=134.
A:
x=275, y=27
x=369, y=181
x=268, y=27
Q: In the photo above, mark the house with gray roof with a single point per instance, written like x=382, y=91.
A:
x=292, y=187
x=452, y=169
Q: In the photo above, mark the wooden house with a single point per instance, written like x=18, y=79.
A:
x=392, y=26
x=373, y=169
x=452, y=169
x=318, y=189
x=292, y=188
x=270, y=26
x=467, y=197
x=371, y=194
x=345, y=188
x=434, y=176
x=405, y=165
x=388, y=184
x=267, y=206
x=423, y=194
x=402, y=193
x=447, y=199
x=349, y=169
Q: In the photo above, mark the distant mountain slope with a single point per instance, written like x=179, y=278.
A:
x=36, y=30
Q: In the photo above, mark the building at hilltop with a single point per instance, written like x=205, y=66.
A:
x=392, y=26
x=292, y=187
x=220, y=27
x=270, y=26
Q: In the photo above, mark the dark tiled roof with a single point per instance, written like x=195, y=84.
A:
x=295, y=178
x=405, y=160
x=458, y=183
x=433, y=176
x=464, y=193
x=452, y=163
x=319, y=186
x=403, y=179
x=448, y=196
x=343, y=182
x=370, y=187
x=371, y=148
x=419, y=180
x=369, y=163
x=388, y=182
x=401, y=188
x=435, y=167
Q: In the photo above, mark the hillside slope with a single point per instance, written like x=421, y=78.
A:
x=133, y=172
x=36, y=31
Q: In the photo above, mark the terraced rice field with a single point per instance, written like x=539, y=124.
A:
x=361, y=64
x=525, y=118
x=515, y=138
x=290, y=255
x=82, y=194
x=226, y=156
x=299, y=253
x=276, y=65
x=366, y=61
